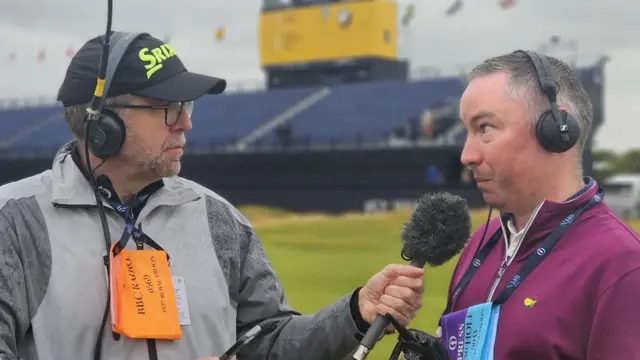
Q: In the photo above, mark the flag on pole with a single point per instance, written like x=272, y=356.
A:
x=41, y=55
x=507, y=4
x=454, y=8
x=409, y=12
x=220, y=33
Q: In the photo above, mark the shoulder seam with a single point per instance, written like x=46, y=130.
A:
x=230, y=208
x=35, y=184
x=620, y=278
x=622, y=224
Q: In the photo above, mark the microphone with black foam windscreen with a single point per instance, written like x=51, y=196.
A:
x=436, y=231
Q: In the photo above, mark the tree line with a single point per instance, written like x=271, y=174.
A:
x=608, y=162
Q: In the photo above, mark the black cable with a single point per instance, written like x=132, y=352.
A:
x=416, y=345
x=484, y=233
x=107, y=236
x=96, y=102
x=94, y=114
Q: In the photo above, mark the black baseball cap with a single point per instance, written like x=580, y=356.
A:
x=149, y=68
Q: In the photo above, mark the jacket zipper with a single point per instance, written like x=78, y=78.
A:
x=508, y=258
x=501, y=271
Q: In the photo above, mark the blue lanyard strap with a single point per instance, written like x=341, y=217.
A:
x=130, y=230
x=532, y=261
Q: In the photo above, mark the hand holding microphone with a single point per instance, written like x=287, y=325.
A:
x=396, y=290
x=437, y=230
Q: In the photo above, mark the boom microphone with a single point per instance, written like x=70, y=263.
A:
x=437, y=230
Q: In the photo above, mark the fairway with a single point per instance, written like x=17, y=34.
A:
x=320, y=258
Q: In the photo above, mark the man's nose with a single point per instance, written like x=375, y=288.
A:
x=470, y=154
x=184, y=123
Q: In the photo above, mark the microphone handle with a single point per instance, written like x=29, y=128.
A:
x=371, y=337
x=376, y=330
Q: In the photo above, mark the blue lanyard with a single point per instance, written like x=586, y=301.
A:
x=130, y=230
x=531, y=262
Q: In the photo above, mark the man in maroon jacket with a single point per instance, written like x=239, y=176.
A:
x=556, y=275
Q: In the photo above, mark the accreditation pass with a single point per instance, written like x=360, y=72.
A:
x=180, y=291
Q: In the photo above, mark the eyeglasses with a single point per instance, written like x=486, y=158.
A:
x=172, y=111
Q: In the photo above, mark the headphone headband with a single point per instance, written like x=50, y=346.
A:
x=545, y=75
x=119, y=43
x=548, y=83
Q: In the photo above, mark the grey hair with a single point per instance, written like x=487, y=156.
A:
x=524, y=85
x=75, y=114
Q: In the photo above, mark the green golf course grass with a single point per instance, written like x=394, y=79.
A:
x=320, y=258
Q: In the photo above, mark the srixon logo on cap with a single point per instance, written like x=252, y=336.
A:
x=154, y=58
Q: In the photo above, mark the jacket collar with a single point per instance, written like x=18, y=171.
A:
x=550, y=214
x=71, y=188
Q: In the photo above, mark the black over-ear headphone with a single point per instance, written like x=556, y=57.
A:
x=106, y=133
x=556, y=130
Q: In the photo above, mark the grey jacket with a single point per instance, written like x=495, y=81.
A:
x=53, y=283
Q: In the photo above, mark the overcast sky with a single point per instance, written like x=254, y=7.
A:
x=480, y=30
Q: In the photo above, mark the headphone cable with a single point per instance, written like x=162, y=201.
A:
x=94, y=114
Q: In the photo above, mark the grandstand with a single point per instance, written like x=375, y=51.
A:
x=367, y=113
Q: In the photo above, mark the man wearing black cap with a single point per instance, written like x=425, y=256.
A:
x=149, y=81
x=65, y=293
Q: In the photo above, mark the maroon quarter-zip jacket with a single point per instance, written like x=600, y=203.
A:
x=581, y=302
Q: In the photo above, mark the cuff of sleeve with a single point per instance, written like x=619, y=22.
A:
x=360, y=322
